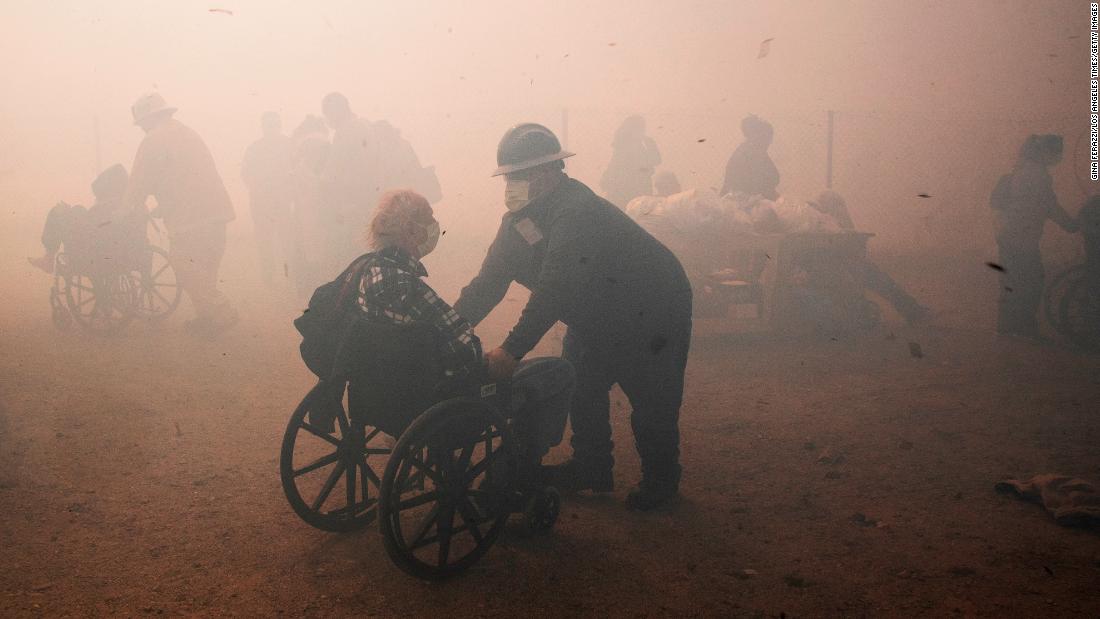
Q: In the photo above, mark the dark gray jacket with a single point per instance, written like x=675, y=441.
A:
x=586, y=264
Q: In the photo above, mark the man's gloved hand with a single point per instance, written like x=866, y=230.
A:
x=500, y=364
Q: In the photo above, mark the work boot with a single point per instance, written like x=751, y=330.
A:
x=648, y=497
x=573, y=476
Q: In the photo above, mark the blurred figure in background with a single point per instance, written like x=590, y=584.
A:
x=366, y=160
x=1022, y=202
x=99, y=228
x=311, y=252
x=174, y=166
x=634, y=157
x=266, y=171
x=750, y=170
x=351, y=179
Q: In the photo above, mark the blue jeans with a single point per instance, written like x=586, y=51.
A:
x=542, y=390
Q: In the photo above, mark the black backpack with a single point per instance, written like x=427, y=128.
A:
x=328, y=318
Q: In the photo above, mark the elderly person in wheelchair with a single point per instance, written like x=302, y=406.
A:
x=469, y=449
x=92, y=232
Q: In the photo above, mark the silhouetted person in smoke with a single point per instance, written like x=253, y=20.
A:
x=174, y=166
x=311, y=251
x=1022, y=202
x=866, y=272
x=621, y=293
x=266, y=170
x=750, y=170
x=366, y=159
x=103, y=230
x=634, y=157
x=352, y=178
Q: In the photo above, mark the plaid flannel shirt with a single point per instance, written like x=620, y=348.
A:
x=391, y=290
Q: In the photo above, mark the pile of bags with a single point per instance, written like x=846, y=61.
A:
x=703, y=210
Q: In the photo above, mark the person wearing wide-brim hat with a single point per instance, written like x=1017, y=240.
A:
x=174, y=166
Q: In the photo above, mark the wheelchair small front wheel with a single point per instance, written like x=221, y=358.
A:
x=541, y=510
x=447, y=489
x=325, y=464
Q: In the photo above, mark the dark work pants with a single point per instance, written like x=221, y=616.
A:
x=650, y=370
x=1021, y=290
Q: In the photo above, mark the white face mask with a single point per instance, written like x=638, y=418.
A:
x=516, y=194
x=429, y=244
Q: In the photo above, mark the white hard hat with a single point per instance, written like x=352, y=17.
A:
x=149, y=105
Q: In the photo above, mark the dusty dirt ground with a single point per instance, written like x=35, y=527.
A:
x=823, y=478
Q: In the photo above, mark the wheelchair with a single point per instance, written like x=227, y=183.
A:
x=103, y=293
x=442, y=469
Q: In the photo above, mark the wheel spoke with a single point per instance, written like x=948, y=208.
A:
x=469, y=514
x=351, y=483
x=446, y=523
x=417, y=501
x=319, y=433
x=425, y=469
x=463, y=461
x=482, y=466
x=368, y=473
x=424, y=527
x=318, y=463
x=330, y=483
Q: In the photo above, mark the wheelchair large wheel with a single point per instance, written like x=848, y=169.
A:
x=1080, y=314
x=159, y=293
x=1056, y=292
x=101, y=304
x=326, y=472
x=448, y=487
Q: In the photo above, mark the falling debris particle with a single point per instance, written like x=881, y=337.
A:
x=923, y=195
x=765, y=47
x=995, y=266
x=532, y=82
x=178, y=431
x=1048, y=570
x=449, y=30
x=104, y=223
x=565, y=56
x=222, y=11
x=915, y=351
x=1008, y=288
x=701, y=140
x=286, y=270
x=444, y=233
x=611, y=44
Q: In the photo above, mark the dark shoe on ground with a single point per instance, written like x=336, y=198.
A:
x=644, y=499
x=572, y=476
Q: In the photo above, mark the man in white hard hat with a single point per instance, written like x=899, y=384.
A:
x=174, y=166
